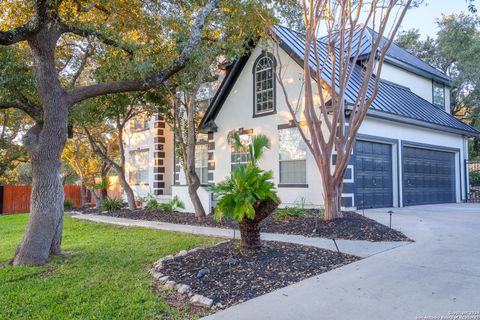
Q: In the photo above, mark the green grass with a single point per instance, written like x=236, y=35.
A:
x=105, y=275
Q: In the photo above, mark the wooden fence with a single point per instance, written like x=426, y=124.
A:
x=16, y=199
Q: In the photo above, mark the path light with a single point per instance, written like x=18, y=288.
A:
x=390, y=212
x=335, y=242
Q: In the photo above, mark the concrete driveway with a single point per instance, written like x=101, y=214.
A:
x=438, y=274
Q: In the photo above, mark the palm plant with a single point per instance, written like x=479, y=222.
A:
x=248, y=196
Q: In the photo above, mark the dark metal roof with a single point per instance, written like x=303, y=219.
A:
x=393, y=102
x=396, y=56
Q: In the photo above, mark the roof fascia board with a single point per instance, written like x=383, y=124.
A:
x=224, y=90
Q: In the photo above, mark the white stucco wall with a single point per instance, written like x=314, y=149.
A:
x=237, y=113
x=144, y=139
x=419, y=85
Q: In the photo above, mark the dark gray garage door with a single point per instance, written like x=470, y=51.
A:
x=373, y=175
x=428, y=176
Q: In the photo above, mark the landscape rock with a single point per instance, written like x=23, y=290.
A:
x=231, y=261
x=183, y=288
x=163, y=279
x=182, y=253
x=167, y=258
x=193, y=250
x=202, y=273
x=201, y=301
x=169, y=285
x=157, y=275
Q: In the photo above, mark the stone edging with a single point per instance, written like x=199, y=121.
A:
x=181, y=288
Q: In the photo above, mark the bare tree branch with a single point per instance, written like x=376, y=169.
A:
x=79, y=94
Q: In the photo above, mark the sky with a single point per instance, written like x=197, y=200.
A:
x=424, y=17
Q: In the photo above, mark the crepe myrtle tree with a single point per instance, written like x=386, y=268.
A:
x=324, y=125
x=248, y=196
x=48, y=22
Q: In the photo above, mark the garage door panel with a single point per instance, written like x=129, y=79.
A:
x=428, y=176
x=373, y=175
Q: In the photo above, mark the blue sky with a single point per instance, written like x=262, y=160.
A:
x=424, y=17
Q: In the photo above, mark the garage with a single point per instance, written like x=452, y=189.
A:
x=428, y=176
x=373, y=175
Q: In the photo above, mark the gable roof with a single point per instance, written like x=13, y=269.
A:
x=393, y=102
x=396, y=56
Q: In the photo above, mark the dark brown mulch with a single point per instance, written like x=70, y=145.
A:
x=254, y=273
x=352, y=226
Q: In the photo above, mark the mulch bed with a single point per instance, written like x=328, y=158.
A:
x=352, y=226
x=253, y=273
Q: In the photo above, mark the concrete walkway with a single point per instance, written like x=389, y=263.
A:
x=438, y=274
x=355, y=247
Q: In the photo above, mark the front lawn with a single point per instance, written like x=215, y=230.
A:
x=103, y=276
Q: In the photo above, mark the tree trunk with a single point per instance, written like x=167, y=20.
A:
x=104, y=173
x=45, y=143
x=127, y=189
x=332, y=193
x=83, y=194
x=96, y=198
x=197, y=203
x=250, y=229
x=193, y=184
x=43, y=234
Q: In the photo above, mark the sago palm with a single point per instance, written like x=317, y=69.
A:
x=248, y=195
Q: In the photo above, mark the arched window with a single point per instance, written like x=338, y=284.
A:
x=264, y=85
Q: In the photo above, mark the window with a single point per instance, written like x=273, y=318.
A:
x=140, y=122
x=293, y=155
x=201, y=162
x=438, y=94
x=264, y=84
x=138, y=173
x=240, y=157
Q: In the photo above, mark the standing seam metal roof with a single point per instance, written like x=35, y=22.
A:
x=391, y=98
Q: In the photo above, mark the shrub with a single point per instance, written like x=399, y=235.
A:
x=68, y=203
x=475, y=178
x=172, y=205
x=290, y=213
x=111, y=204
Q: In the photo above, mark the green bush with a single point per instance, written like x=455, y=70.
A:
x=475, y=177
x=111, y=204
x=290, y=213
x=68, y=203
x=172, y=205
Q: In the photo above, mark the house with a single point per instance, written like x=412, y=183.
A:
x=409, y=151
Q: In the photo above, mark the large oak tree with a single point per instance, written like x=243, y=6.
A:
x=146, y=42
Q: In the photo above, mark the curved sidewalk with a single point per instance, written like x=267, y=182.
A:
x=355, y=247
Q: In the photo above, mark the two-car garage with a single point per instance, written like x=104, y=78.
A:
x=427, y=174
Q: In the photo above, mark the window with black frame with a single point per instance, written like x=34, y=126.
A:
x=292, y=157
x=239, y=155
x=264, y=84
x=201, y=162
x=138, y=171
x=438, y=93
